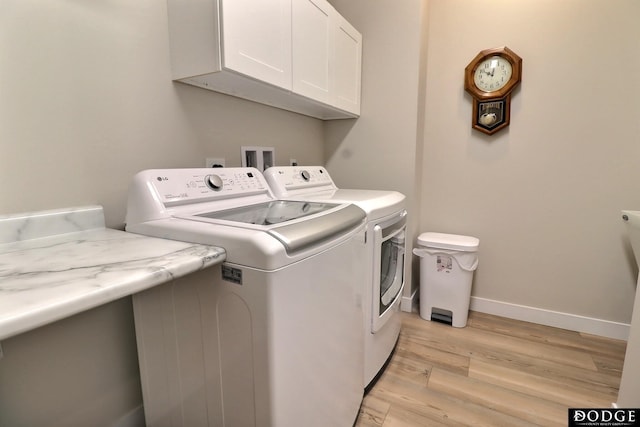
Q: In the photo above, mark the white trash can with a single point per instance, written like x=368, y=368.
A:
x=447, y=263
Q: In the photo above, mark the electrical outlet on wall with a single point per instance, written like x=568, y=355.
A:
x=214, y=162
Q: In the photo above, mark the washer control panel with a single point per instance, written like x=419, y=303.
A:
x=193, y=185
x=214, y=182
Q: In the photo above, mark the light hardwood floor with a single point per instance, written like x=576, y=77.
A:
x=494, y=372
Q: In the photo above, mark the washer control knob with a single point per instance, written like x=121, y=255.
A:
x=214, y=182
x=305, y=175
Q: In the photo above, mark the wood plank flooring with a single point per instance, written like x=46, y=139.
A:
x=494, y=372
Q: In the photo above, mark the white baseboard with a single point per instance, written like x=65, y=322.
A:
x=557, y=319
x=134, y=418
x=407, y=303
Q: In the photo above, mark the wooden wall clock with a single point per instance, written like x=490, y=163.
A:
x=490, y=78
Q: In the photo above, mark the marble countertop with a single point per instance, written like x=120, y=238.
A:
x=57, y=263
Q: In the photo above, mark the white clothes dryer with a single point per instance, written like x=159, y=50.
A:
x=382, y=274
x=270, y=338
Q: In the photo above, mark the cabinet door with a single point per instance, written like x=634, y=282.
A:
x=347, y=65
x=256, y=39
x=312, y=24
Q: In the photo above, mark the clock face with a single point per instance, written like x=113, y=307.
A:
x=492, y=74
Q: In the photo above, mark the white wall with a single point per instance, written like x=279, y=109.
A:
x=544, y=195
x=80, y=371
x=86, y=101
x=378, y=150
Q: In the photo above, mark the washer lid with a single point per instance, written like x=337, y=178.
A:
x=269, y=213
x=296, y=224
x=449, y=241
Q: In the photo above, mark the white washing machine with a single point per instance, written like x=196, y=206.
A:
x=383, y=273
x=272, y=337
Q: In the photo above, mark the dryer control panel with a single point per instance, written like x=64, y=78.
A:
x=287, y=181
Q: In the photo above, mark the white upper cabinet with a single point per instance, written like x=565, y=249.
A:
x=256, y=36
x=312, y=29
x=298, y=55
x=347, y=66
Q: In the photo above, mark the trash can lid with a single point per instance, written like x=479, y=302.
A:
x=449, y=241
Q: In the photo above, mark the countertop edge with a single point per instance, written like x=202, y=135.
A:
x=46, y=276
x=104, y=295
x=101, y=296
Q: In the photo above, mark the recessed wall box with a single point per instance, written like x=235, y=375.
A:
x=260, y=158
